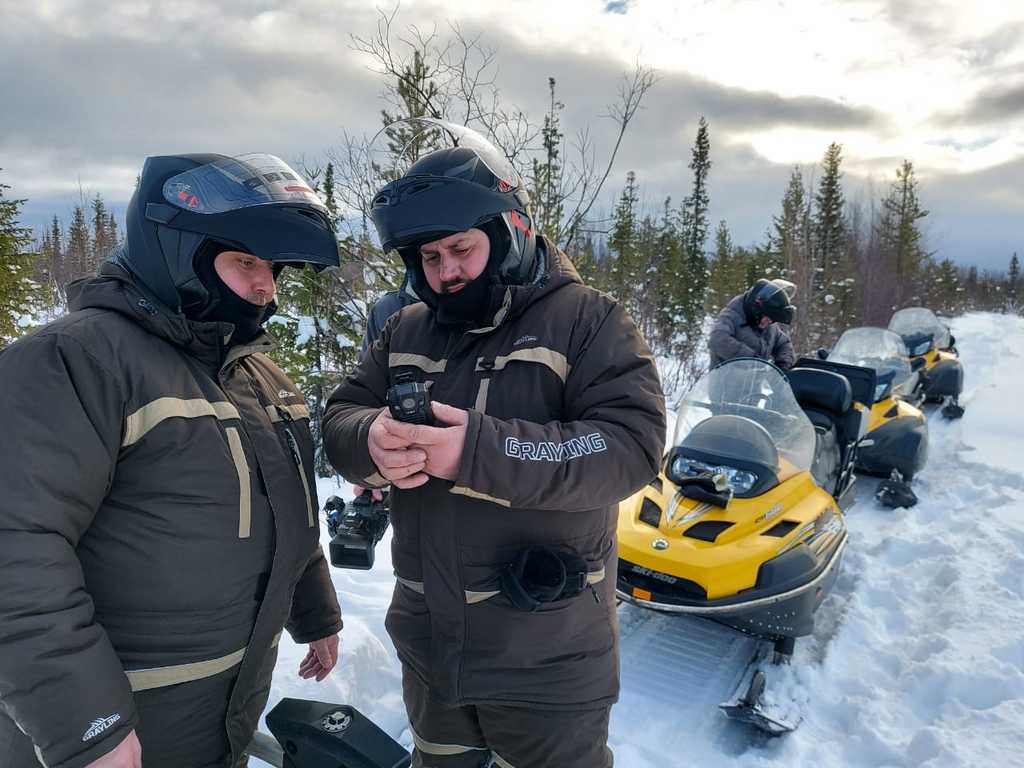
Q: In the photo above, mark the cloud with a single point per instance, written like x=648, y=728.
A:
x=996, y=103
x=94, y=88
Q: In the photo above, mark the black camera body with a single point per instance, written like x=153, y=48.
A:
x=409, y=401
x=355, y=529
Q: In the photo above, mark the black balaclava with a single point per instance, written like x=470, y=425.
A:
x=479, y=300
x=225, y=305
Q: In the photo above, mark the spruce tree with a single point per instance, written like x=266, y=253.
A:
x=902, y=239
x=727, y=270
x=1013, y=286
x=78, y=255
x=546, y=196
x=691, y=275
x=829, y=302
x=623, y=245
x=21, y=296
x=102, y=241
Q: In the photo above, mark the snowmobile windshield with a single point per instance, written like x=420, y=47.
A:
x=401, y=143
x=882, y=350
x=741, y=419
x=917, y=322
x=239, y=182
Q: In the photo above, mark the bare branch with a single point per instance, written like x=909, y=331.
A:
x=631, y=95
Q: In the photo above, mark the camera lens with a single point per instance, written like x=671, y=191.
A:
x=408, y=403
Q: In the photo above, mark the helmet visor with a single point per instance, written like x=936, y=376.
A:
x=239, y=182
x=420, y=135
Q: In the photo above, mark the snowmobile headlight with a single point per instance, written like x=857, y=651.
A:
x=921, y=348
x=739, y=480
x=882, y=390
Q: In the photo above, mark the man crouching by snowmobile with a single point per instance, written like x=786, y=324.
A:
x=547, y=411
x=748, y=325
x=158, y=515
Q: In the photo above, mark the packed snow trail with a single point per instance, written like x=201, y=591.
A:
x=918, y=655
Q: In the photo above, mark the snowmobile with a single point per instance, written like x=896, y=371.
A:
x=744, y=525
x=942, y=377
x=896, y=444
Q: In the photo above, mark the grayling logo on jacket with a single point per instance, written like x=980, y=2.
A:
x=99, y=725
x=572, y=448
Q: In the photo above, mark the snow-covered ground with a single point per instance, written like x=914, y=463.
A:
x=919, y=655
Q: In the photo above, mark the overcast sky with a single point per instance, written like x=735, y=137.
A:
x=89, y=89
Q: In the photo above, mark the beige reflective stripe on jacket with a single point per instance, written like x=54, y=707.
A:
x=424, y=363
x=556, y=361
x=139, y=423
x=161, y=677
x=463, y=491
x=473, y=596
x=415, y=586
x=151, y=414
x=434, y=748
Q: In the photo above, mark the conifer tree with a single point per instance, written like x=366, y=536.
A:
x=78, y=253
x=690, y=277
x=547, y=197
x=103, y=240
x=902, y=240
x=790, y=245
x=623, y=245
x=1013, y=286
x=728, y=270
x=831, y=292
x=20, y=295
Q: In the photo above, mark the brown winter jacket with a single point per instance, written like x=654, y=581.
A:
x=733, y=336
x=154, y=522
x=566, y=418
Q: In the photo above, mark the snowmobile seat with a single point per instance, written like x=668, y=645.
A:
x=827, y=399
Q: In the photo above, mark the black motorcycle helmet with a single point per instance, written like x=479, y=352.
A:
x=452, y=190
x=185, y=205
x=768, y=298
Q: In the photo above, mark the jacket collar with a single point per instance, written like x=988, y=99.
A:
x=116, y=289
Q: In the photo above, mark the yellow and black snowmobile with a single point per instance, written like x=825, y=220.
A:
x=927, y=338
x=744, y=524
x=896, y=444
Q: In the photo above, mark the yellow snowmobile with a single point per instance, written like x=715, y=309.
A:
x=942, y=375
x=896, y=444
x=739, y=527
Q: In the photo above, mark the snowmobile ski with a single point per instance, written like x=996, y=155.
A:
x=747, y=704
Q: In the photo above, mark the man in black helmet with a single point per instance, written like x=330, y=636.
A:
x=547, y=411
x=747, y=326
x=158, y=526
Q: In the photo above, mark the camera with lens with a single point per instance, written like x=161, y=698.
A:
x=409, y=401
x=355, y=529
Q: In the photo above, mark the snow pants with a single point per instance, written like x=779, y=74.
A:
x=491, y=736
x=181, y=726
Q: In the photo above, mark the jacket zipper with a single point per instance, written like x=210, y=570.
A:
x=297, y=455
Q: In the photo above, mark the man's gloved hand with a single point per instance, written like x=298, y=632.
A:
x=127, y=754
x=321, y=658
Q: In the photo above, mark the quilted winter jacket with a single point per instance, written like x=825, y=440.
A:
x=158, y=521
x=733, y=336
x=566, y=418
